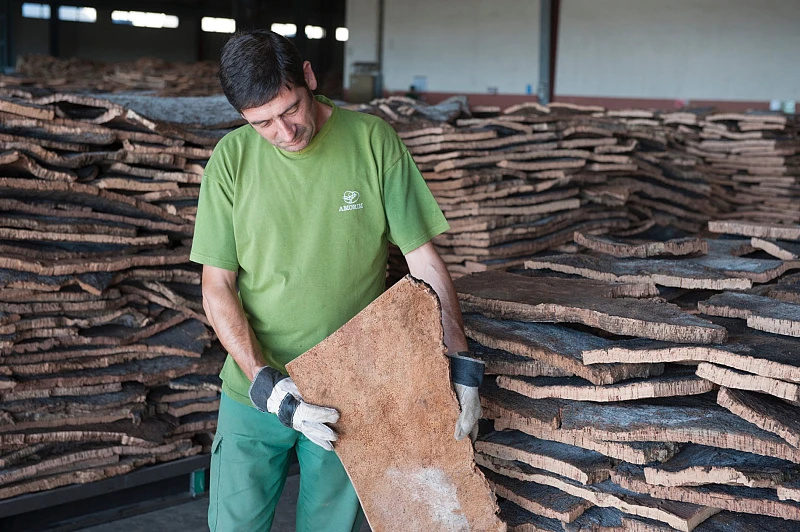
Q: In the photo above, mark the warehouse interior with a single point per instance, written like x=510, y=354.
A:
x=621, y=180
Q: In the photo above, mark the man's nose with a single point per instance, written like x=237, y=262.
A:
x=286, y=129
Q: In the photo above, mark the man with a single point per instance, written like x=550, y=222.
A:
x=293, y=220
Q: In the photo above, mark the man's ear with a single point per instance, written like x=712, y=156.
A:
x=308, y=73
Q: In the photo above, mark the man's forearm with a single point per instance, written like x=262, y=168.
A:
x=426, y=265
x=227, y=317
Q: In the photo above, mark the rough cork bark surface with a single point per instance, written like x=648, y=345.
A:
x=731, y=378
x=755, y=229
x=519, y=297
x=633, y=452
x=675, y=382
x=518, y=519
x=499, y=362
x=581, y=465
x=552, y=345
x=696, y=465
x=386, y=372
x=695, y=419
x=762, y=313
x=763, y=411
x=732, y=498
x=714, y=272
x=538, y=498
x=642, y=249
x=777, y=248
x=721, y=522
x=680, y=516
x=766, y=354
x=789, y=491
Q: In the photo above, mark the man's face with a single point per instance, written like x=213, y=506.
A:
x=289, y=121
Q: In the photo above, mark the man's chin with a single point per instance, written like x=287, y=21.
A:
x=298, y=145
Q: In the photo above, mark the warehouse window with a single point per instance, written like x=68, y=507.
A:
x=342, y=34
x=141, y=19
x=36, y=10
x=218, y=25
x=315, y=32
x=77, y=14
x=67, y=13
x=287, y=30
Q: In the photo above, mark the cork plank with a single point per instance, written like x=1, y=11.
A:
x=500, y=362
x=696, y=465
x=686, y=273
x=695, y=419
x=553, y=345
x=580, y=465
x=623, y=248
x=766, y=354
x=633, y=452
x=518, y=297
x=518, y=519
x=721, y=522
x=731, y=378
x=759, y=501
x=676, y=381
x=76, y=477
x=599, y=519
x=537, y=498
x=778, y=248
x=765, y=412
x=789, y=491
x=731, y=227
x=680, y=516
x=762, y=313
x=403, y=459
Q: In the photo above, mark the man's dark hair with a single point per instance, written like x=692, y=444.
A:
x=256, y=65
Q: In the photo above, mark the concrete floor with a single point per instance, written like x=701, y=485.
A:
x=191, y=516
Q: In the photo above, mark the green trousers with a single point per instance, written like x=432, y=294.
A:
x=249, y=463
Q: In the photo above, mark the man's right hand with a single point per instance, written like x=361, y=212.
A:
x=276, y=393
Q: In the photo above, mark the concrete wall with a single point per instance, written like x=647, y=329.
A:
x=465, y=46
x=361, y=18
x=679, y=49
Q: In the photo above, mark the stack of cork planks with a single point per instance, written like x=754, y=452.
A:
x=516, y=182
x=107, y=362
x=159, y=77
x=752, y=163
x=631, y=391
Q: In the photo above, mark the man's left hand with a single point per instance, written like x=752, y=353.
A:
x=467, y=374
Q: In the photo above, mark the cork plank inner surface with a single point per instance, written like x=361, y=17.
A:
x=386, y=373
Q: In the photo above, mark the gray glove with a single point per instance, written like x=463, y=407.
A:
x=277, y=394
x=467, y=374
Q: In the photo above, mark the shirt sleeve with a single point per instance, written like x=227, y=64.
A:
x=412, y=213
x=214, y=241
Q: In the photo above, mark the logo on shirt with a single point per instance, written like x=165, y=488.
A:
x=351, y=197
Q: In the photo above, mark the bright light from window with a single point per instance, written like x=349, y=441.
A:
x=218, y=25
x=141, y=19
x=36, y=11
x=287, y=30
x=77, y=14
x=315, y=32
x=342, y=34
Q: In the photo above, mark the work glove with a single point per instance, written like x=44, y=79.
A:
x=277, y=394
x=467, y=374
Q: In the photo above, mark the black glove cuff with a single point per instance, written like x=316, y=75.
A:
x=263, y=383
x=287, y=409
x=466, y=371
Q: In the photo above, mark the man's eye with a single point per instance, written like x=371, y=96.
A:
x=293, y=110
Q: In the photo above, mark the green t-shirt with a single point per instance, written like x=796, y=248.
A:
x=307, y=231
